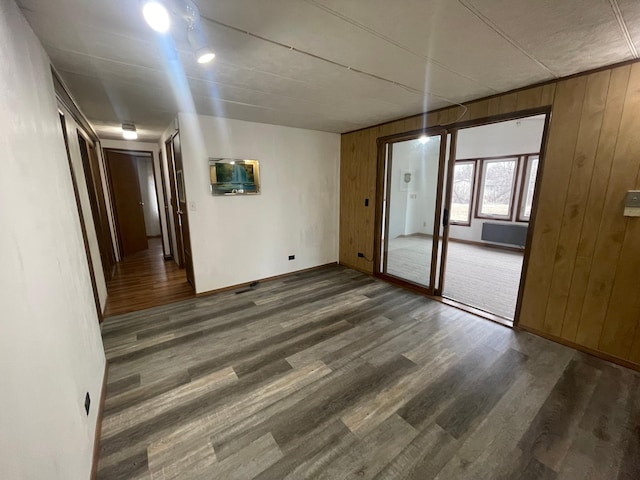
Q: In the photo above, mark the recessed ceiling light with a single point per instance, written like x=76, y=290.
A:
x=205, y=55
x=129, y=131
x=156, y=16
x=423, y=139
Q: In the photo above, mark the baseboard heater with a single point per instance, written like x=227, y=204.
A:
x=508, y=233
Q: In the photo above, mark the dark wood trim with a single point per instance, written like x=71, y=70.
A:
x=452, y=167
x=489, y=245
x=83, y=227
x=453, y=146
x=95, y=192
x=379, y=206
x=435, y=244
x=532, y=218
x=481, y=182
x=268, y=279
x=155, y=186
x=523, y=182
x=500, y=94
x=581, y=348
x=168, y=254
x=178, y=253
x=98, y=434
x=134, y=152
x=388, y=172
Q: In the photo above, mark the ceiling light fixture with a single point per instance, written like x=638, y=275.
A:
x=129, y=131
x=205, y=55
x=156, y=16
x=423, y=139
x=197, y=38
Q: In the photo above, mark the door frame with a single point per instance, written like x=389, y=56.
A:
x=95, y=190
x=169, y=255
x=105, y=152
x=445, y=200
x=382, y=213
x=83, y=227
x=177, y=226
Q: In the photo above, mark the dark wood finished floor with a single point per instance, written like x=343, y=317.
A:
x=331, y=374
x=146, y=280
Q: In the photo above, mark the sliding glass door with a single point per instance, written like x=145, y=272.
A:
x=414, y=172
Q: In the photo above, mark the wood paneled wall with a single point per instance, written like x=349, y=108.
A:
x=583, y=279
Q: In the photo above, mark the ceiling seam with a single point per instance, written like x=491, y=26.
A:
x=333, y=62
x=500, y=32
x=204, y=80
x=623, y=26
x=381, y=36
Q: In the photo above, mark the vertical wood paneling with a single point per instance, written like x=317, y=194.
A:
x=558, y=157
x=581, y=282
x=576, y=201
x=595, y=203
x=612, y=227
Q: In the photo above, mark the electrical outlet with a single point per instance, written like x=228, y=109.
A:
x=87, y=403
x=360, y=255
x=292, y=257
x=366, y=202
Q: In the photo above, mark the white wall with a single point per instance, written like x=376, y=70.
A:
x=147, y=147
x=237, y=239
x=413, y=210
x=148, y=195
x=515, y=137
x=50, y=346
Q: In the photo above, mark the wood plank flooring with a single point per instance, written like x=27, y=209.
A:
x=146, y=280
x=332, y=374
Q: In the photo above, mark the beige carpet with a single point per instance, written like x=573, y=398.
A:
x=482, y=277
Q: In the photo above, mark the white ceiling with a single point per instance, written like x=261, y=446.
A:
x=333, y=65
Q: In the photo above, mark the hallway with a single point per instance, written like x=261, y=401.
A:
x=146, y=280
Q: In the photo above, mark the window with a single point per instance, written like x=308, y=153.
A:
x=528, y=187
x=464, y=174
x=497, y=188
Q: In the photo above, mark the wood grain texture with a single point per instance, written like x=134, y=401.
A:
x=581, y=283
x=144, y=280
x=330, y=374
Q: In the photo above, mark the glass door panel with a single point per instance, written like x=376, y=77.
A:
x=410, y=231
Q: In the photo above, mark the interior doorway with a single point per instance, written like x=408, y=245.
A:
x=145, y=276
x=135, y=201
x=456, y=211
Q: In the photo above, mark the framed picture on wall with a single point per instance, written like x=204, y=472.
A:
x=234, y=177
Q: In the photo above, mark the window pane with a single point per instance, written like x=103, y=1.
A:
x=463, y=174
x=497, y=187
x=530, y=185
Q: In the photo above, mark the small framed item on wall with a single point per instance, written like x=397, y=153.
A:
x=234, y=177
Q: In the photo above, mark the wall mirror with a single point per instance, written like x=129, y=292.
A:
x=234, y=177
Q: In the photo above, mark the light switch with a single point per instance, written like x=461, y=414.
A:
x=632, y=204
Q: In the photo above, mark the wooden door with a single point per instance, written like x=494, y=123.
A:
x=98, y=205
x=179, y=251
x=181, y=196
x=123, y=170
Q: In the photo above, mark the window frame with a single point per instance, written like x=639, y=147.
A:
x=481, y=181
x=474, y=181
x=527, y=160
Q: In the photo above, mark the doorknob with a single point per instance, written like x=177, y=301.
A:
x=141, y=204
x=180, y=212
